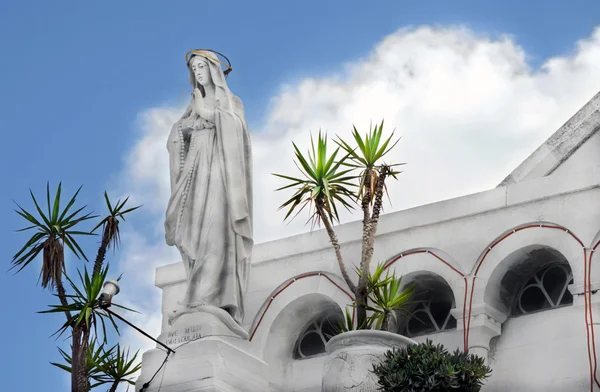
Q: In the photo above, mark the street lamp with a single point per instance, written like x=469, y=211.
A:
x=109, y=290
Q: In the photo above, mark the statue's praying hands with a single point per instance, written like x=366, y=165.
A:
x=201, y=107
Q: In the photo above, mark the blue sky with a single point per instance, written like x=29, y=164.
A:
x=81, y=82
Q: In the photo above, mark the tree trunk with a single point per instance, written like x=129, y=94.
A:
x=83, y=377
x=385, y=323
x=79, y=351
x=361, y=302
x=361, y=290
x=113, y=387
x=100, y=256
x=336, y=246
x=377, y=206
x=75, y=361
x=62, y=295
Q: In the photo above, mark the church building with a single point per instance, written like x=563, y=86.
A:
x=510, y=273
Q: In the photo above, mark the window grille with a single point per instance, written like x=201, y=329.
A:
x=428, y=317
x=546, y=289
x=312, y=340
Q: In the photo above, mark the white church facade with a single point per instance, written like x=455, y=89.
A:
x=509, y=273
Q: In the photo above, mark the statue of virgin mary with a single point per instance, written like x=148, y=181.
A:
x=209, y=215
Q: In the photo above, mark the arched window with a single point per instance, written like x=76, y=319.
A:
x=431, y=313
x=314, y=336
x=546, y=289
x=530, y=279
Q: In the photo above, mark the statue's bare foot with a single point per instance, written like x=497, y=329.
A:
x=184, y=308
x=197, y=305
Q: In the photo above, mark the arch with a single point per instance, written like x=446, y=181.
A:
x=287, y=297
x=546, y=234
x=419, y=261
x=515, y=245
x=515, y=270
x=287, y=326
x=434, y=301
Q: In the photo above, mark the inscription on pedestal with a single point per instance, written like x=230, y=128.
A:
x=183, y=335
x=193, y=326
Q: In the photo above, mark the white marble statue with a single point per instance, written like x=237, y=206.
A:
x=209, y=215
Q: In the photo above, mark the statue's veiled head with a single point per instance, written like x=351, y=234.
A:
x=201, y=71
x=205, y=68
x=206, y=72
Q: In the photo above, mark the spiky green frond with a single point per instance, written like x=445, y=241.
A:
x=368, y=156
x=118, y=367
x=321, y=182
x=349, y=324
x=53, y=229
x=110, y=224
x=96, y=353
x=385, y=295
x=84, y=305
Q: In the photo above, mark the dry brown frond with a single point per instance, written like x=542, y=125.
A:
x=53, y=262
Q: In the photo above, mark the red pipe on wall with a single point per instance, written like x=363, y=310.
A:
x=288, y=284
x=587, y=291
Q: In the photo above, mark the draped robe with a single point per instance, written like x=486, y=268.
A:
x=209, y=215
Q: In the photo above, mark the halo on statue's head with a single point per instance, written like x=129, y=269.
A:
x=210, y=54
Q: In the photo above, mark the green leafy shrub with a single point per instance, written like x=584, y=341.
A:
x=426, y=367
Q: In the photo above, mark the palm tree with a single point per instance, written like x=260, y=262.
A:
x=53, y=231
x=325, y=182
x=111, y=236
x=322, y=187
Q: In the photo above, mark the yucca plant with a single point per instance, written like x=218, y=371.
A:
x=322, y=187
x=55, y=230
x=387, y=297
x=349, y=176
x=85, y=307
x=111, y=366
x=118, y=367
x=111, y=235
x=87, y=315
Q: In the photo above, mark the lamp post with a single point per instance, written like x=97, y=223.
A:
x=109, y=290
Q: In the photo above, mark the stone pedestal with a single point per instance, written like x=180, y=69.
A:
x=212, y=354
x=210, y=364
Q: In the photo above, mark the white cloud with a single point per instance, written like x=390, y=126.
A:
x=469, y=109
